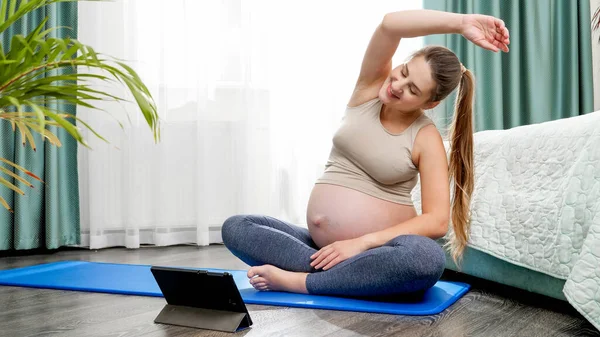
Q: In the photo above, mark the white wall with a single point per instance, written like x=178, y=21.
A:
x=596, y=57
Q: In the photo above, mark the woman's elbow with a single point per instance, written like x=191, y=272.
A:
x=442, y=227
x=390, y=23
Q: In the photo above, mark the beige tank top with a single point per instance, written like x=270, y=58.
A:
x=367, y=157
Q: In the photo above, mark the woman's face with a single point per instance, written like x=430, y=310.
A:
x=409, y=87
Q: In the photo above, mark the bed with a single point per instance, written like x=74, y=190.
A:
x=535, y=210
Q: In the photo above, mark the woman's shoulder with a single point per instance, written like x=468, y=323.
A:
x=422, y=121
x=423, y=128
x=428, y=147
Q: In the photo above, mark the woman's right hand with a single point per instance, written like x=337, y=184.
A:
x=485, y=31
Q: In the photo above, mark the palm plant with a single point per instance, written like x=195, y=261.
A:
x=37, y=70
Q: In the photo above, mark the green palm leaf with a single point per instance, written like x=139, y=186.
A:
x=36, y=69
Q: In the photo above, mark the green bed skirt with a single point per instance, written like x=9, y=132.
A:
x=482, y=265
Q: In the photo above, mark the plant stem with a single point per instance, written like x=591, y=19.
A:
x=32, y=70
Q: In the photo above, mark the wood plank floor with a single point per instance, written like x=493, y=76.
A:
x=487, y=310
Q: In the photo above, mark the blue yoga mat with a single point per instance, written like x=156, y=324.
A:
x=130, y=279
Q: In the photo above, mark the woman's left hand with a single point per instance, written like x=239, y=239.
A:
x=486, y=31
x=337, y=252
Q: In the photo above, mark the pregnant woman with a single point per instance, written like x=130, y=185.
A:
x=364, y=236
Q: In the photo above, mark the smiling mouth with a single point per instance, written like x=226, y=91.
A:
x=390, y=93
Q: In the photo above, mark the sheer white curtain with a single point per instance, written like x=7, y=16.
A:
x=249, y=94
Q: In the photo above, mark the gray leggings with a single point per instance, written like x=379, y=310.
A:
x=406, y=264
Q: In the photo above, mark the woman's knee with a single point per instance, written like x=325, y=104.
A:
x=433, y=257
x=437, y=260
x=230, y=230
x=429, y=259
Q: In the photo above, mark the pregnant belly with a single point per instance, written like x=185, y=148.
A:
x=337, y=213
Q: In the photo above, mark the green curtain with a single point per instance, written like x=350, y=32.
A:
x=47, y=216
x=546, y=75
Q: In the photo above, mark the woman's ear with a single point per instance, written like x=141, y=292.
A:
x=431, y=105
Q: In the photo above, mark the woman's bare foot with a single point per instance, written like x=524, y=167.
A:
x=268, y=277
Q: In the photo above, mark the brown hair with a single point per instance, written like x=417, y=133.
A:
x=447, y=72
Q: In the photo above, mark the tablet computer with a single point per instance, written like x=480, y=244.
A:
x=201, y=299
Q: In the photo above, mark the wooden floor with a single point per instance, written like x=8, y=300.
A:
x=487, y=310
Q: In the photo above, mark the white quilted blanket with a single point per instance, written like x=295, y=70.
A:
x=537, y=202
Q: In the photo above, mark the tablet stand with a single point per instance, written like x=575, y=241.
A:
x=202, y=318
